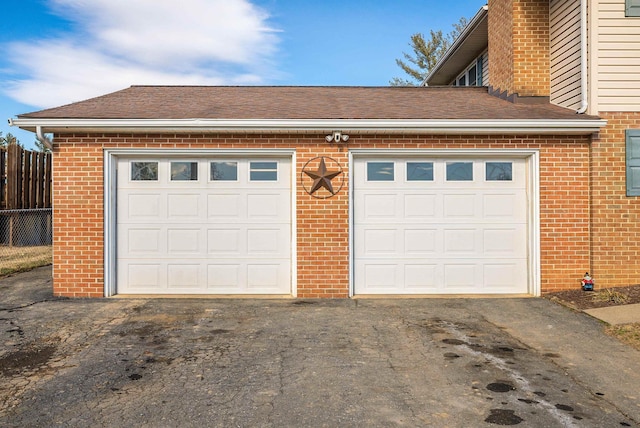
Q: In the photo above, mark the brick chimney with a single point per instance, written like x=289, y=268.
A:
x=519, y=48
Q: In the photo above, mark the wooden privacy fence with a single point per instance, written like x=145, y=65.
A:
x=25, y=179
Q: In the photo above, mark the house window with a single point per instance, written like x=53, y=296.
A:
x=632, y=8
x=380, y=171
x=459, y=171
x=184, y=171
x=224, y=171
x=499, y=171
x=144, y=171
x=473, y=76
x=419, y=171
x=633, y=162
x=263, y=171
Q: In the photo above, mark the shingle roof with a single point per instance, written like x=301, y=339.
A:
x=300, y=102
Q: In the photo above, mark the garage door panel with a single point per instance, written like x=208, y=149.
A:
x=502, y=276
x=224, y=206
x=224, y=241
x=505, y=206
x=459, y=242
x=221, y=277
x=421, y=241
x=143, y=241
x=182, y=275
x=144, y=276
x=183, y=206
x=183, y=240
x=421, y=277
x=143, y=206
x=380, y=241
x=217, y=234
x=458, y=205
x=379, y=276
x=504, y=241
x=420, y=206
x=460, y=276
x=267, y=207
x=377, y=206
x=272, y=242
x=431, y=235
x=263, y=276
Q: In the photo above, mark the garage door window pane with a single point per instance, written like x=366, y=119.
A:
x=459, y=171
x=380, y=171
x=224, y=171
x=499, y=171
x=184, y=171
x=419, y=171
x=263, y=171
x=144, y=171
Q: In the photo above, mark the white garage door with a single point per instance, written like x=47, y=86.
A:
x=440, y=226
x=204, y=226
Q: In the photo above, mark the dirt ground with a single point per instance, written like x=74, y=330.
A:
x=600, y=298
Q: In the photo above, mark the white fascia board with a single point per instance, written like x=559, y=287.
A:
x=419, y=126
x=466, y=32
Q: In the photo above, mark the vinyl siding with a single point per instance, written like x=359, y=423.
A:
x=564, y=46
x=618, y=72
x=485, y=68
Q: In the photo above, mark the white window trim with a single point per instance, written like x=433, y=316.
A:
x=466, y=71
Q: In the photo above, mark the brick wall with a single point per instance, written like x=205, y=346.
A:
x=323, y=229
x=78, y=245
x=519, y=47
x=500, y=21
x=322, y=224
x=615, y=217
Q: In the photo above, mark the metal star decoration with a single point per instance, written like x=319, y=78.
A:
x=322, y=178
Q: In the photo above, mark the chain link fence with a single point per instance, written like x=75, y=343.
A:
x=25, y=239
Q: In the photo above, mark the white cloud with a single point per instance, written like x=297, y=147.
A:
x=119, y=43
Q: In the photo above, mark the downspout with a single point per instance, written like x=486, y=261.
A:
x=583, y=58
x=39, y=136
x=44, y=140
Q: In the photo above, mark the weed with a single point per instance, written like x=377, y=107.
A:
x=627, y=333
x=610, y=295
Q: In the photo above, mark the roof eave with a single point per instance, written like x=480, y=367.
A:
x=456, y=57
x=415, y=126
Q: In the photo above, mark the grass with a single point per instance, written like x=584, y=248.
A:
x=610, y=295
x=20, y=259
x=626, y=333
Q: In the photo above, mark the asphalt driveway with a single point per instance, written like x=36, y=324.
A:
x=282, y=363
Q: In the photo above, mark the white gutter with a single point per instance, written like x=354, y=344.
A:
x=584, y=103
x=457, y=42
x=482, y=126
x=41, y=137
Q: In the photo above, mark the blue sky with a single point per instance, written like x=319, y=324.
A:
x=61, y=51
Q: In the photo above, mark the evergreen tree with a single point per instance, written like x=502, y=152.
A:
x=426, y=54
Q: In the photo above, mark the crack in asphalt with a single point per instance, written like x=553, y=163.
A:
x=26, y=305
